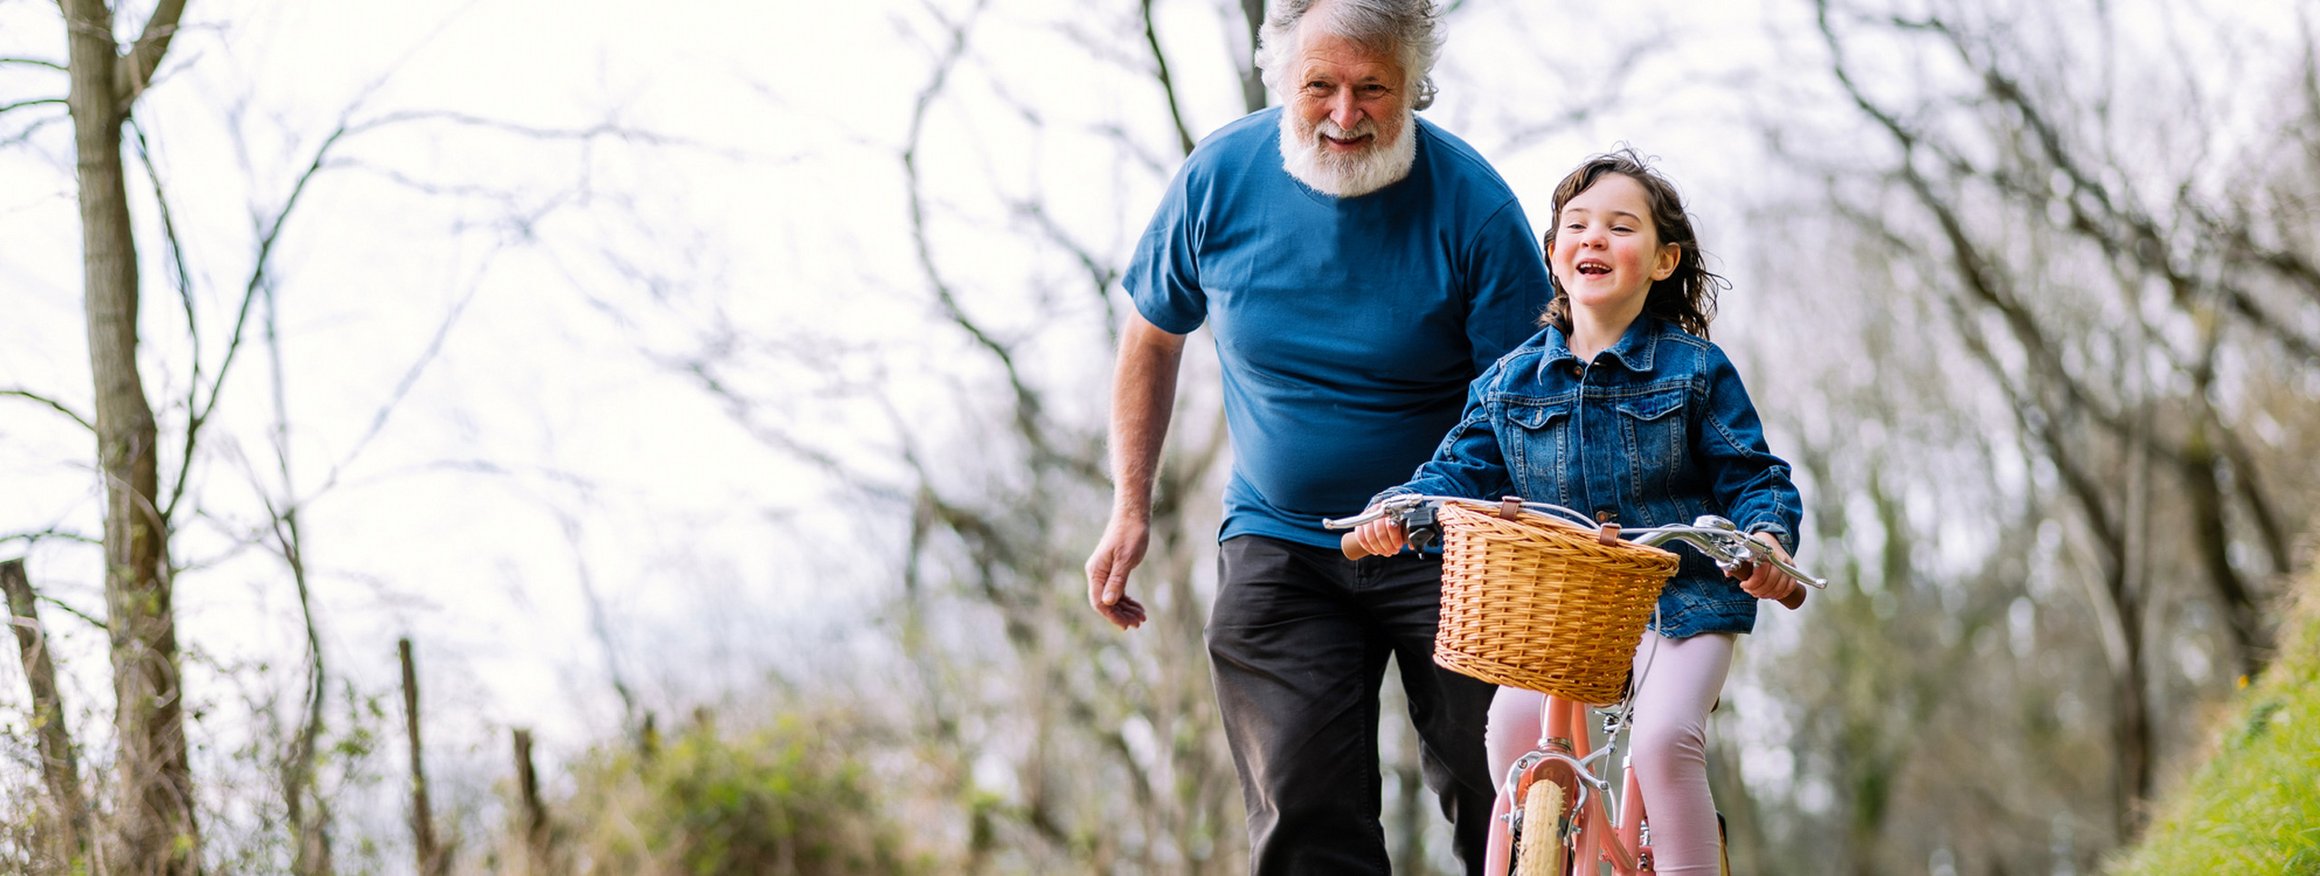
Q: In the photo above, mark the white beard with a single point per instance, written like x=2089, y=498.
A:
x=1346, y=176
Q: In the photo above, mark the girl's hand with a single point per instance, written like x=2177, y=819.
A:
x=1381, y=537
x=1765, y=580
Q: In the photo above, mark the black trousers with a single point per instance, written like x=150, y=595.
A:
x=1297, y=642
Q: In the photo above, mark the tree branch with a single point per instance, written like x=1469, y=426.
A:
x=742, y=410
x=40, y=535
x=273, y=227
x=1982, y=279
x=1611, y=83
x=25, y=135
x=37, y=101
x=602, y=130
x=175, y=252
x=61, y=605
x=93, y=621
x=1167, y=83
x=198, y=415
x=403, y=387
x=599, y=621
x=135, y=72
x=53, y=404
x=1100, y=274
x=1028, y=404
x=2145, y=242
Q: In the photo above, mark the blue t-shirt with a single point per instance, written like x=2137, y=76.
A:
x=1348, y=327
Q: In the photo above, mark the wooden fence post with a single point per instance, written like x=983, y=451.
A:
x=58, y=766
x=536, y=838
x=431, y=859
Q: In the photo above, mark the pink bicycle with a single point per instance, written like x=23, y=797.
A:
x=1537, y=597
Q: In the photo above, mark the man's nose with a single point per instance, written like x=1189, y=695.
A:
x=1344, y=110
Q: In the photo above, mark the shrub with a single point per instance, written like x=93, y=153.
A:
x=787, y=799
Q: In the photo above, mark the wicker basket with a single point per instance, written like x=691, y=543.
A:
x=1542, y=604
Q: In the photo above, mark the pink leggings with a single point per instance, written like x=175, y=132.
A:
x=1681, y=679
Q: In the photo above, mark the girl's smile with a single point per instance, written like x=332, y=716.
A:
x=1607, y=252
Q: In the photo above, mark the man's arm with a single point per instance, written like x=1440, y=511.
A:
x=1143, y=397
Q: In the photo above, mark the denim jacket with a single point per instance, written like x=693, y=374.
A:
x=1657, y=430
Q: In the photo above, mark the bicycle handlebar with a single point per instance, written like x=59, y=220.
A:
x=1715, y=537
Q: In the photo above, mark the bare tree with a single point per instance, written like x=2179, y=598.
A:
x=2073, y=318
x=1021, y=554
x=1111, y=757
x=154, y=828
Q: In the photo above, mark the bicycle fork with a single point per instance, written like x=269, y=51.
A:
x=1593, y=824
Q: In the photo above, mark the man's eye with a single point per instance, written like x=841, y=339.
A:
x=1373, y=90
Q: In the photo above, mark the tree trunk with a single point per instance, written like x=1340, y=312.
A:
x=154, y=829
x=1252, y=79
x=59, y=767
x=2132, y=728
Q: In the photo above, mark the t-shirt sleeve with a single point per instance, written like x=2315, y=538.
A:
x=1507, y=285
x=1163, y=278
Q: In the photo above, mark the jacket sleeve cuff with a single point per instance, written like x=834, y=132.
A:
x=1391, y=492
x=1779, y=531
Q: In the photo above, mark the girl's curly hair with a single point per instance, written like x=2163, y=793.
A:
x=1686, y=297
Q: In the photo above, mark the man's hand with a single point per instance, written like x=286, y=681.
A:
x=1107, y=571
x=1765, y=580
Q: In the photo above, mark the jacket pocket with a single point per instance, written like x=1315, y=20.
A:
x=1652, y=428
x=1538, y=449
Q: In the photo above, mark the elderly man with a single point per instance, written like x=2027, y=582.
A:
x=1358, y=267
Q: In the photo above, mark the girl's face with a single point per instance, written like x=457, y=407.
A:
x=1607, y=249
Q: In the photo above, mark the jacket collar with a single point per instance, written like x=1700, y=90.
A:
x=1635, y=350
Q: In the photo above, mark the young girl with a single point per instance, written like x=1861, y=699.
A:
x=1622, y=409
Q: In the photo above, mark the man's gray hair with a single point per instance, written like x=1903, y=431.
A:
x=1404, y=27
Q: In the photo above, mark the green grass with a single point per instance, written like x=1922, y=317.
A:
x=2254, y=806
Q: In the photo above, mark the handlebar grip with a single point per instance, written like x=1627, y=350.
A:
x=1350, y=545
x=1795, y=598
